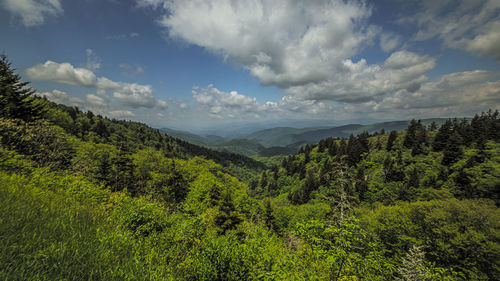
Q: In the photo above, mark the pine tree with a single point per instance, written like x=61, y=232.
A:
x=410, y=134
x=269, y=219
x=228, y=217
x=452, y=152
x=433, y=126
x=442, y=136
x=333, y=148
x=16, y=99
x=390, y=141
x=361, y=184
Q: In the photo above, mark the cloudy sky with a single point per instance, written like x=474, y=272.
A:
x=192, y=64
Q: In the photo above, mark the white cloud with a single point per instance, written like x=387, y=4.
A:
x=96, y=101
x=305, y=47
x=130, y=94
x=360, y=82
x=136, y=95
x=456, y=94
x=121, y=113
x=62, y=97
x=461, y=24
x=389, y=41
x=93, y=61
x=218, y=104
x=281, y=42
x=33, y=12
x=63, y=73
x=461, y=93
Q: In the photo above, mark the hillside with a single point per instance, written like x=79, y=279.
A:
x=288, y=140
x=284, y=136
x=193, y=138
x=83, y=197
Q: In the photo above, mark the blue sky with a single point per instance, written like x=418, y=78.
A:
x=192, y=64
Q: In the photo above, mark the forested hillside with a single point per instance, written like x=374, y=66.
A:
x=83, y=197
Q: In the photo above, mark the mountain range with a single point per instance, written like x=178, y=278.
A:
x=287, y=140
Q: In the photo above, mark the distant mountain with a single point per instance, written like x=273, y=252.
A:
x=285, y=136
x=287, y=140
x=193, y=138
x=279, y=136
x=247, y=147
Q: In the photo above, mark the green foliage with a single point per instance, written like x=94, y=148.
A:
x=84, y=197
x=16, y=98
x=47, y=146
x=458, y=234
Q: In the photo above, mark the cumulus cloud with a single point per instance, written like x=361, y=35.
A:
x=360, y=82
x=220, y=105
x=96, y=101
x=33, y=12
x=62, y=97
x=461, y=93
x=136, y=95
x=306, y=48
x=281, y=42
x=63, y=73
x=130, y=94
x=473, y=26
x=456, y=94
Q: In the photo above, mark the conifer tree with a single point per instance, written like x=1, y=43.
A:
x=410, y=134
x=333, y=148
x=269, y=219
x=16, y=98
x=390, y=141
x=442, y=136
x=452, y=152
x=228, y=217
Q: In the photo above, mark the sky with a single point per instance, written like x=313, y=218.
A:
x=198, y=64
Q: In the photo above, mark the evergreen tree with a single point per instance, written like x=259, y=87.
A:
x=410, y=134
x=415, y=137
x=442, y=136
x=390, y=141
x=433, y=126
x=269, y=219
x=420, y=139
x=342, y=148
x=263, y=180
x=333, y=148
x=452, y=152
x=361, y=184
x=16, y=98
x=228, y=217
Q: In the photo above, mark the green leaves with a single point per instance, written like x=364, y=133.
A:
x=16, y=98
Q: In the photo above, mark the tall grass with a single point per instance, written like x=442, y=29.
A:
x=45, y=235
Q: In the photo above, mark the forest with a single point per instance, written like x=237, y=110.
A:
x=85, y=197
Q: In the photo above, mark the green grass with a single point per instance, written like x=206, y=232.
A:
x=44, y=236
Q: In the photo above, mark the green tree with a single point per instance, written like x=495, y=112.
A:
x=442, y=136
x=227, y=217
x=390, y=141
x=412, y=268
x=16, y=99
x=453, y=151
